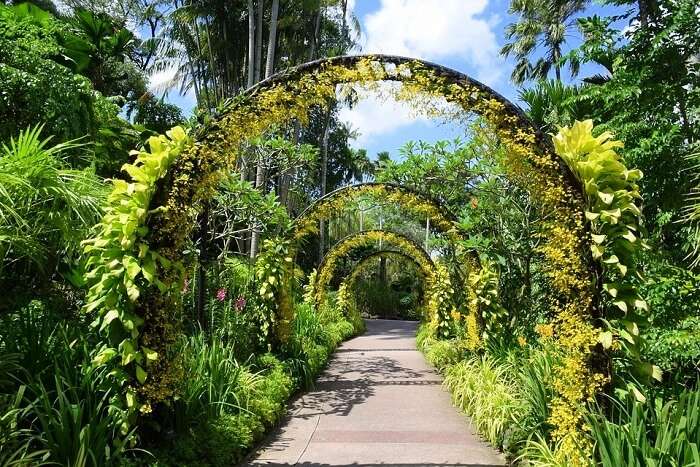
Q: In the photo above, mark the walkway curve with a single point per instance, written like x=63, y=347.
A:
x=377, y=403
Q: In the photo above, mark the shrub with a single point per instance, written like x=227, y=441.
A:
x=213, y=392
x=640, y=434
x=443, y=353
x=486, y=391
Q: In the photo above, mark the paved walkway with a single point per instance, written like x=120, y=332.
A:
x=377, y=403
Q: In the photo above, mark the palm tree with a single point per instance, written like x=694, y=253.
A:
x=543, y=24
x=46, y=209
x=551, y=103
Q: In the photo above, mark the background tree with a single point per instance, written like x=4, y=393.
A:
x=539, y=35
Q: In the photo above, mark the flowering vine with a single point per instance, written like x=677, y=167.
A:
x=153, y=215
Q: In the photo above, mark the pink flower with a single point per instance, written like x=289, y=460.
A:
x=221, y=295
x=240, y=303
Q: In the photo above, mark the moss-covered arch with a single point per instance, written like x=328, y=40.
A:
x=134, y=260
x=359, y=267
x=415, y=203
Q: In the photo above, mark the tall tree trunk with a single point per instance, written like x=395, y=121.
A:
x=427, y=232
x=382, y=270
x=272, y=40
x=288, y=175
x=203, y=75
x=260, y=185
x=228, y=85
x=251, y=44
x=556, y=55
x=269, y=66
x=258, y=41
x=647, y=11
x=317, y=30
x=218, y=90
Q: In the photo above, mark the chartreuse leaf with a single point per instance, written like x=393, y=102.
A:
x=104, y=356
x=140, y=374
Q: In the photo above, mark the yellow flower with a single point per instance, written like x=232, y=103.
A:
x=544, y=330
x=522, y=342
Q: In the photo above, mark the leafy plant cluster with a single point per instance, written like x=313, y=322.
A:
x=121, y=265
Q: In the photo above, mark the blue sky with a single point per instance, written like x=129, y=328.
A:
x=462, y=34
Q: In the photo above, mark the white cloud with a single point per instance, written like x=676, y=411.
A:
x=454, y=31
x=436, y=30
x=373, y=116
x=159, y=83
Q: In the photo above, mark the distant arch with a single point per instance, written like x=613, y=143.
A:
x=398, y=241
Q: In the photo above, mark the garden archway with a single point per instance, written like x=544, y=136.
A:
x=441, y=219
x=347, y=284
x=404, y=244
x=135, y=273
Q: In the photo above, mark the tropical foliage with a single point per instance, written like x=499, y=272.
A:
x=170, y=283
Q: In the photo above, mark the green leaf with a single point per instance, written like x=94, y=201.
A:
x=607, y=198
x=104, y=356
x=132, y=267
x=149, y=269
x=110, y=316
x=151, y=355
x=637, y=394
x=612, y=259
x=130, y=399
x=606, y=339
x=133, y=292
x=621, y=304
x=598, y=238
x=140, y=374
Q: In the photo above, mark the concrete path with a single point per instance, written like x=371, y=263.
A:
x=377, y=403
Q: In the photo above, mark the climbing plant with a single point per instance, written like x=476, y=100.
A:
x=616, y=232
x=487, y=320
x=441, y=310
x=121, y=265
x=273, y=269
